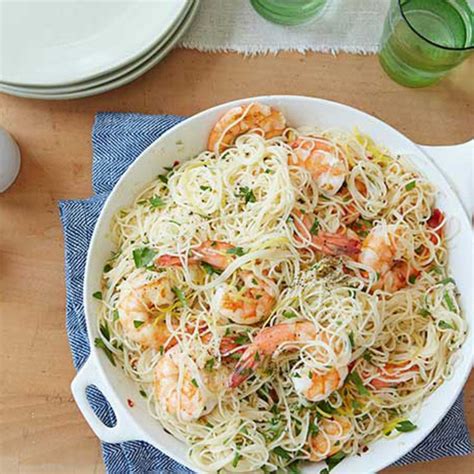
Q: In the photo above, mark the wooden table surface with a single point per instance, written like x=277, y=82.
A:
x=41, y=427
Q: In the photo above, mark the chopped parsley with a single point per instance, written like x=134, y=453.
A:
x=205, y=188
x=194, y=382
x=163, y=178
x=282, y=453
x=447, y=280
x=315, y=227
x=115, y=315
x=367, y=355
x=242, y=339
x=405, y=426
x=156, y=201
x=107, y=268
x=424, y=312
x=239, y=251
x=449, y=302
x=326, y=407
x=246, y=193
x=412, y=279
x=351, y=339
x=445, y=325
x=138, y=323
x=289, y=314
x=143, y=256
x=410, y=185
x=334, y=460
x=104, y=330
x=355, y=378
x=179, y=293
x=97, y=295
x=143, y=393
x=98, y=342
x=236, y=459
x=313, y=428
x=209, y=365
x=209, y=269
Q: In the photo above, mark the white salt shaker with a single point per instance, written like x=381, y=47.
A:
x=9, y=160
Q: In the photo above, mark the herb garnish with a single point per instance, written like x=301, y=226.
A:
x=209, y=269
x=449, y=302
x=143, y=256
x=239, y=251
x=98, y=342
x=351, y=339
x=445, y=325
x=179, y=293
x=156, y=201
x=247, y=194
x=405, y=426
x=315, y=227
x=355, y=378
x=97, y=295
x=279, y=451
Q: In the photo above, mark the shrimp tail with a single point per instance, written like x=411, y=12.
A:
x=336, y=244
x=228, y=345
x=245, y=368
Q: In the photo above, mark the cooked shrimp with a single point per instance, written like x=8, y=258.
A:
x=139, y=304
x=248, y=305
x=396, y=278
x=378, y=252
x=267, y=341
x=379, y=249
x=243, y=118
x=391, y=375
x=212, y=252
x=317, y=386
x=332, y=435
x=324, y=162
x=337, y=244
x=180, y=388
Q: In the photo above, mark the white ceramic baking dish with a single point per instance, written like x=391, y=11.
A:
x=186, y=140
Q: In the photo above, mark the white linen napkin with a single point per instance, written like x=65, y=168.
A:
x=353, y=26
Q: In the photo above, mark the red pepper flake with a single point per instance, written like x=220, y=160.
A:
x=130, y=403
x=365, y=449
x=436, y=218
x=176, y=163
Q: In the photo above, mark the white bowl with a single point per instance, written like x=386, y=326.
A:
x=185, y=141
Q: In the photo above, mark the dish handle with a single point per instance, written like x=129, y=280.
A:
x=125, y=428
x=456, y=163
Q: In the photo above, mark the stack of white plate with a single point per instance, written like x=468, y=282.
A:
x=77, y=48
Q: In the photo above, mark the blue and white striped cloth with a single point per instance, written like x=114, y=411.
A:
x=117, y=140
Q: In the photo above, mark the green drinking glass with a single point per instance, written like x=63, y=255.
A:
x=424, y=39
x=289, y=12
